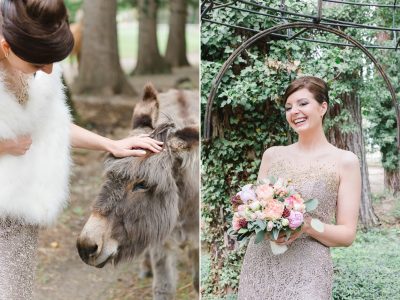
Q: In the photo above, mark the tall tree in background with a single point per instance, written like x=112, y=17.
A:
x=176, y=47
x=100, y=71
x=353, y=140
x=149, y=59
x=383, y=116
x=348, y=135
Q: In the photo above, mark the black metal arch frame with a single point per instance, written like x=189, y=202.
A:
x=304, y=26
x=286, y=15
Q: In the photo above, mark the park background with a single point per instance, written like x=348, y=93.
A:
x=122, y=45
x=248, y=117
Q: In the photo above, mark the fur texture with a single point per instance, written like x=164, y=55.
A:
x=151, y=203
x=34, y=186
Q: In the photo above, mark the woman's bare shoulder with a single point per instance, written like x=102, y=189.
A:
x=344, y=158
x=274, y=151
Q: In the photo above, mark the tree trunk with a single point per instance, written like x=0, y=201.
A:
x=100, y=70
x=392, y=180
x=391, y=177
x=149, y=59
x=176, y=47
x=354, y=141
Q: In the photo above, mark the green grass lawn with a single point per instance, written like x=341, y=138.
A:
x=370, y=268
x=128, y=39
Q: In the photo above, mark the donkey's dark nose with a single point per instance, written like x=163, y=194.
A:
x=86, y=250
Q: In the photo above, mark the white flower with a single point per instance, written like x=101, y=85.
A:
x=270, y=225
x=285, y=222
x=255, y=206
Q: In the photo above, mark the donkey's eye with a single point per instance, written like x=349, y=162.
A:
x=139, y=186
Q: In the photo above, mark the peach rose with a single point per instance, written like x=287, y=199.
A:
x=264, y=192
x=274, y=209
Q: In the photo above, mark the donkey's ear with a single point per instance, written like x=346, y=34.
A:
x=185, y=138
x=145, y=113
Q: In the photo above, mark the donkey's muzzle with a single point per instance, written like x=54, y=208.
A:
x=86, y=251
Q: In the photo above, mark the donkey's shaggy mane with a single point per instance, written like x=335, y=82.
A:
x=162, y=132
x=152, y=168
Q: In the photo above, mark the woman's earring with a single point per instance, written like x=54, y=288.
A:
x=7, y=54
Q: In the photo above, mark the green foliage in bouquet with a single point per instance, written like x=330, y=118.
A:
x=248, y=115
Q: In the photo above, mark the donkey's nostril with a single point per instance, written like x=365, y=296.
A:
x=92, y=250
x=86, y=250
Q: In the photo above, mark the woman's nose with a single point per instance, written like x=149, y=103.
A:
x=295, y=109
x=47, y=68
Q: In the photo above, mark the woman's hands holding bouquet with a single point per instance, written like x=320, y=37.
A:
x=271, y=208
x=283, y=240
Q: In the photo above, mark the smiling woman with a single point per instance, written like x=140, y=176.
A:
x=302, y=91
x=318, y=170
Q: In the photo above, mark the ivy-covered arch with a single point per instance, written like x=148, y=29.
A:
x=303, y=25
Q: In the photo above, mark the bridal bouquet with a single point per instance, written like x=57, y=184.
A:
x=271, y=207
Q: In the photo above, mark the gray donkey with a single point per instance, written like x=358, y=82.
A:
x=151, y=204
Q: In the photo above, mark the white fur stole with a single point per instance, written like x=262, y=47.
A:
x=34, y=186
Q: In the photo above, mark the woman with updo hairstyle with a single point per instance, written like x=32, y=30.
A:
x=317, y=170
x=36, y=134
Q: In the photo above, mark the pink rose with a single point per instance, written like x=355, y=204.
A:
x=238, y=223
x=235, y=223
x=295, y=219
x=274, y=209
x=264, y=192
x=295, y=202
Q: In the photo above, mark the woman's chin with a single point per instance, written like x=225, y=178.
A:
x=300, y=129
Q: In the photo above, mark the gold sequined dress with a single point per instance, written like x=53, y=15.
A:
x=18, y=241
x=18, y=247
x=305, y=270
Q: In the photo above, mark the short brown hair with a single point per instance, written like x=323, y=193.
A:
x=314, y=85
x=37, y=30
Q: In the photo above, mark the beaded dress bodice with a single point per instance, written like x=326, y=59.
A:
x=316, y=179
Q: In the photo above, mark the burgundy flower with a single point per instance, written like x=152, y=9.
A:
x=242, y=223
x=236, y=201
x=286, y=213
